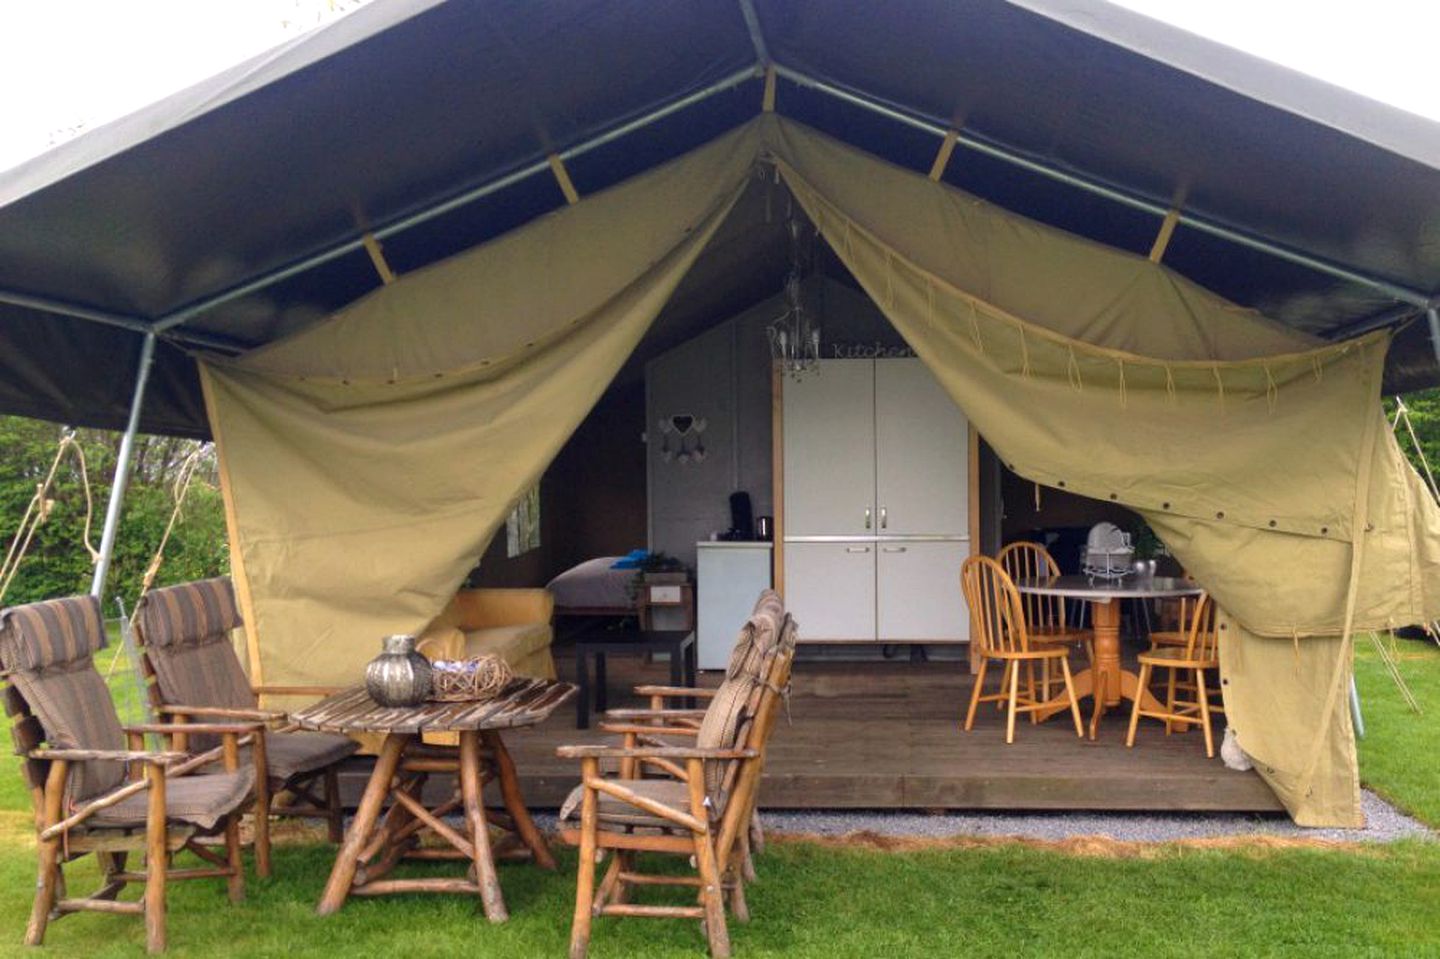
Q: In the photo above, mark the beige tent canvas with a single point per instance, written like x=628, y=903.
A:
x=368, y=460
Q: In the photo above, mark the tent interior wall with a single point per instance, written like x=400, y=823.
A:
x=1307, y=205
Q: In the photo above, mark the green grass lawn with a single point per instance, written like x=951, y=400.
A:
x=816, y=900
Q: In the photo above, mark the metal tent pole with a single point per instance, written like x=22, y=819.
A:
x=1433, y=316
x=122, y=467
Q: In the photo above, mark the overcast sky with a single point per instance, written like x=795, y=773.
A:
x=68, y=64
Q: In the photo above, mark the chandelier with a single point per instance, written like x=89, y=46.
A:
x=795, y=334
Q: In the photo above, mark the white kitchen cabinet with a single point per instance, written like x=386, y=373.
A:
x=876, y=504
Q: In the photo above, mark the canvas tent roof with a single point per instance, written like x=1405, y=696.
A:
x=166, y=216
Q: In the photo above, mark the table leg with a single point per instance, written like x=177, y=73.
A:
x=582, y=680
x=514, y=802
x=692, y=667
x=677, y=664
x=481, y=855
x=343, y=874
x=601, y=703
x=1105, y=620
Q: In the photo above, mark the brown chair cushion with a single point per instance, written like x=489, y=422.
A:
x=48, y=647
x=185, y=631
x=615, y=813
x=200, y=801
x=51, y=633
x=726, y=720
x=188, y=613
x=291, y=754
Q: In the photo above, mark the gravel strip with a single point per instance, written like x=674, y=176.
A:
x=1384, y=823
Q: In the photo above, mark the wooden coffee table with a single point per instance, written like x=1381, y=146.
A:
x=593, y=646
x=374, y=845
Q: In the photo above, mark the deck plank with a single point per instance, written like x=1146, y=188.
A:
x=887, y=736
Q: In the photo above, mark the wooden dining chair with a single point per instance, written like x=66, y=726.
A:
x=997, y=627
x=75, y=758
x=1190, y=662
x=1047, y=619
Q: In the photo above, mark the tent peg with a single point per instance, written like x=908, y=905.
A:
x=562, y=177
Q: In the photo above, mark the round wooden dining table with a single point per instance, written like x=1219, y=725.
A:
x=1106, y=681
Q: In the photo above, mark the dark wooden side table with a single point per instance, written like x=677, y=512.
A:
x=592, y=647
x=374, y=845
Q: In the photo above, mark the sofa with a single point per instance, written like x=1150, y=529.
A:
x=512, y=623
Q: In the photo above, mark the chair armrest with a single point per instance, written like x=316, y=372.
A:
x=109, y=755
x=214, y=729
x=645, y=730
x=654, y=714
x=253, y=715
x=673, y=692
x=651, y=752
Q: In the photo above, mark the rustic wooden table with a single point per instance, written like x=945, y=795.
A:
x=1106, y=681
x=374, y=844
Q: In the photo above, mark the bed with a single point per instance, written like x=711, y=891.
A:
x=594, y=588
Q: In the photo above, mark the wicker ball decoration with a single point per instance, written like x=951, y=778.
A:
x=469, y=680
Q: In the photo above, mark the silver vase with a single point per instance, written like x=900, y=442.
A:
x=399, y=676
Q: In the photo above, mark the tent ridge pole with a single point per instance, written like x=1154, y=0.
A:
x=425, y=214
x=61, y=308
x=757, y=36
x=1393, y=290
x=122, y=468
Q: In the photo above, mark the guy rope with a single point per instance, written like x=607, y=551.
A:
x=42, y=505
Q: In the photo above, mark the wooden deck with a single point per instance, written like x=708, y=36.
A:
x=887, y=735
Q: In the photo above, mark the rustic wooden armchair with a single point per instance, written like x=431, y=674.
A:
x=191, y=670
x=754, y=655
x=1047, y=619
x=701, y=809
x=75, y=763
x=1188, y=662
x=997, y=627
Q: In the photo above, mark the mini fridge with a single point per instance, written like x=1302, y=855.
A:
x=729, y=578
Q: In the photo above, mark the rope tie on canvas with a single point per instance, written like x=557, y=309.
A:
x=1317, y=366
x=849, y=246
x=1124, y=404
x=975, y=328
x=1024, y=351
x=1072, y=372
x=1272, y=391
x=930, y=302
x=1170, y=385
x=1220, y=385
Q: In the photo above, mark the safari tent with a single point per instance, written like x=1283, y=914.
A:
x=390, y=267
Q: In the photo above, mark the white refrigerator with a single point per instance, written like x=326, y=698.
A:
x=729, y=578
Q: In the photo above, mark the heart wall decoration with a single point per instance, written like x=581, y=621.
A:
x=680, y=438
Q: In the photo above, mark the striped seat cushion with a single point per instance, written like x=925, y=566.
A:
x=727, y=719
x=48, y=648
x=185, y=631
x=201, y=801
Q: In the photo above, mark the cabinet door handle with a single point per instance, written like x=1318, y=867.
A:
x=884, y=519
x=894, y=549
x=857, y=549
x=867, y=517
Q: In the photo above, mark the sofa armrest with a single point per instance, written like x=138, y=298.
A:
x=485, y=608
x=441, y=642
